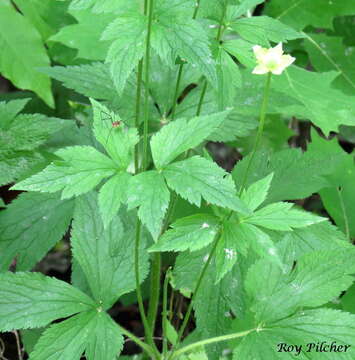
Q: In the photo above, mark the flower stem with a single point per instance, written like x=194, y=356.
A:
x=165, y=312
x=154, y=291
x=147, y=82
x=210, y=341
x=259, y=134
x=197, y=287
x=138, y=110
x=181, y=68
x=138, y=341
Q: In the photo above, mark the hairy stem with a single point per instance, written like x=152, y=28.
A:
x=197, y=287
x=147, y=82
x=148, y=349
x=181, y=68
x=138, y=110
x=165, y=312
x=345, y=216
x=154, y=291
x=210, y=341
x=260, y=130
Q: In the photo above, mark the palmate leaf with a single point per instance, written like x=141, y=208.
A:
x=182, y=135
x=228, y=79
x=9, y=110
x=18, y=63
x=29, y=300
x=82, y=168
x=106, y=341
x=329, y=53
x=93, y=332
x=92, y=80
x=242, y=6
x=197, y=178
x=30, y=226
x=106, y=256
x=309, y=326
x=282, y=217
x=321, y=236
x=149, y=191
x=118, y=140
x=112, y=195
x=262, y=29
x=325, y=106
x=257, y=193
x=300, y=13
x=66, y=340
x=296, y=175
x=177, y=34
x=85, y=37
x=317, y=278
x=189, y=233
x=128, y=33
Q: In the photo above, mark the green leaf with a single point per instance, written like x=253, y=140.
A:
x=106, y=341
x=118, y=141
x=28, y=131
x=317, y=278
x=66, y=340
x=18, y=63
x=29, y=300
x=176, y=33
x=9, y=110
x=325, y=106
x=188, y=233
x=30, y=226
x=282, y=217
x=128, y=33
x=244, y=6
x=197, y=178
x=296, y=174
x=228, y=79
x=256, y=193
x=329, y=53
x=46, y=16
x=321, y=236
x=306, y=327
x=171, y=333
x=300, y=13
x=82, y=168
x=348, y=300
x=262, y=29
x=92, y=80
x=112, y=195
x=233, y=242
x=149, y=191
x=84, y=36
x=106, y=256
x=182, y=135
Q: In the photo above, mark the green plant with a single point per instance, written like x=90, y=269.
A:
x=150, y=84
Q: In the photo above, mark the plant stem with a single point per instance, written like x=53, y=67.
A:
x=260, y=130
x=138, y=110
x=345, y=216
x=147, y=82
x=147, y=328
x=181, y=68
x=211, y=341
x=197, y=287
x=176, y=93
x=138, y=341
x=165, y=312
x=154, y=291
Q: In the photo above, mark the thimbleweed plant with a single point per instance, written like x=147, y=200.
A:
x=252, y=261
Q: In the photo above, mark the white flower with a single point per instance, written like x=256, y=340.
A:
x=271, y=60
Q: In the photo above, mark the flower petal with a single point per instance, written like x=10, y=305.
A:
x=260, y=69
